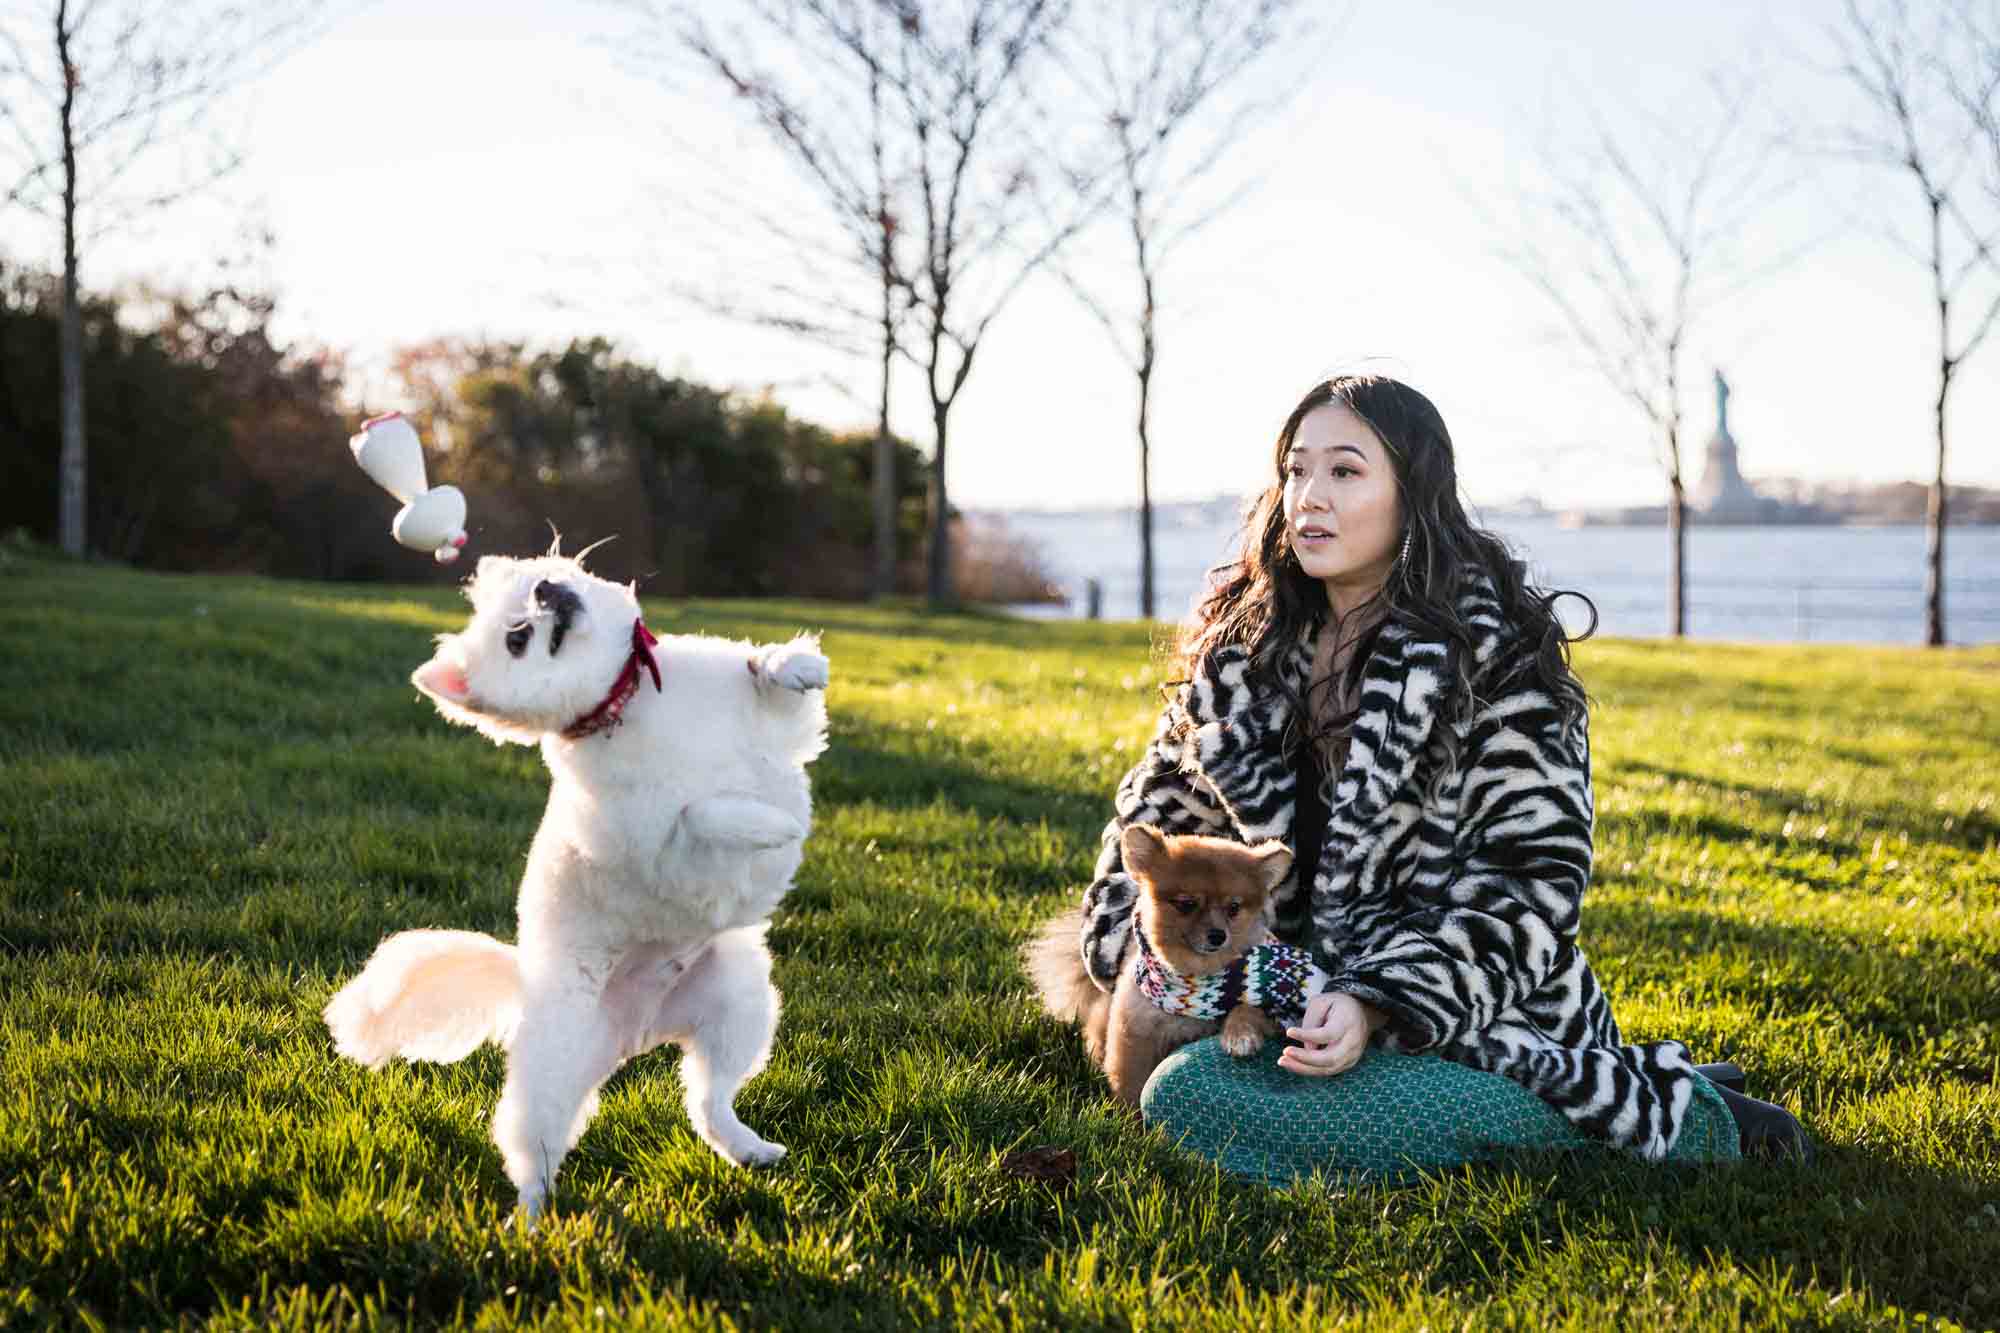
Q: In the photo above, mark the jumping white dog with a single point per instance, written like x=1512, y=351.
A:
x=677, y=814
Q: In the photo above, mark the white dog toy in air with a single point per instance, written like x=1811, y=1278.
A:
x=430, y=520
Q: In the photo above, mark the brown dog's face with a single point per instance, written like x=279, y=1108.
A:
x=1202, y=901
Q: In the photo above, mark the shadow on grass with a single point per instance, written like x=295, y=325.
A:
x=1894, y=1230
x=868, y=766
x=1910, y=1235
x=1851, y=1220
x=1903, y=994
x=1971, y=831
x=1742, y=1219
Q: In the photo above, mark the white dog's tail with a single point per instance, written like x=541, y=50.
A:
x=428, y=995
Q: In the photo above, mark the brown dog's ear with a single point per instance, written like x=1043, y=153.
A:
x=1274, y=859
x=1144, y=849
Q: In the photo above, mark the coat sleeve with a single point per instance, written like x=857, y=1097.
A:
x=1459, y=953
x=1159, y=792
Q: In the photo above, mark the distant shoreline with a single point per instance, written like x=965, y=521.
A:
x=1207, y=511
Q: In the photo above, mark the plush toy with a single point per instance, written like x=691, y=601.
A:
x=431, y=519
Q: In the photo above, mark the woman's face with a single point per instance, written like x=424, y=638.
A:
x=1343, y=510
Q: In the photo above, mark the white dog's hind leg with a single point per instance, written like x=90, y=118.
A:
x=723, y=1015
x=560, y=1054
x=631, y=1002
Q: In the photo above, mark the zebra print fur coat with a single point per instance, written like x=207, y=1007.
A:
x=1448, y=889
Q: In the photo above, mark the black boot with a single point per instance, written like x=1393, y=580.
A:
x=1722, y=1075
x=1767, y=1131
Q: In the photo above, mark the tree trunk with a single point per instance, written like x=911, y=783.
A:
x=1148, y=358
x=1934, y=520
x=1145, y=494
x=1677, y=558
x=938, y=585
x=72, y=472
x=882, y=580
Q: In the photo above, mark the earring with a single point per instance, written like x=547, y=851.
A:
x=1404, y=556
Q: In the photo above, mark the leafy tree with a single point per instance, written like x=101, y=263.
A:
x=152, y=484
x=299, y=505
x=705, y=493
x=89, y=91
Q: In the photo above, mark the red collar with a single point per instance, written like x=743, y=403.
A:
x=610, y=712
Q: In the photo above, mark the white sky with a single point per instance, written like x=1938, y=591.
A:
x=486, y=167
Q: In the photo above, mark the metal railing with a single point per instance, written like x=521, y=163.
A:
x=1810, y=608
x=1773, y=610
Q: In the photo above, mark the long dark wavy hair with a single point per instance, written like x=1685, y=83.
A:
x=1265, y=601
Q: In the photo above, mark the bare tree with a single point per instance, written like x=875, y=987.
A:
x=1150, y=75
x=91, y=93
x=917, y=125
x=1634, y=240
x=793, y=69
x=964, y=81
x=1925, y=86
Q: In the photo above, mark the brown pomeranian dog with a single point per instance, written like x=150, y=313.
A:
x=1203, y=904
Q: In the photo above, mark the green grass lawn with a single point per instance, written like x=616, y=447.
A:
x=217, y=795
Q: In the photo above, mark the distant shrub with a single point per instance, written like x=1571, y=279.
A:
x=212, y=447
x=993, y=563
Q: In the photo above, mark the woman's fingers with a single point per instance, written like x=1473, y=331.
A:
x=1319, y=1063
x=1317, y=1010
x=1326, y=1058
x=1331, y=1036
x=1326, y=1017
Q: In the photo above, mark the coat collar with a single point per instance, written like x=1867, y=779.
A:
x=1238, y=731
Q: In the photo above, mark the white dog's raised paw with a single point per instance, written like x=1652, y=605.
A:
x=740, y=821
x=789, y=668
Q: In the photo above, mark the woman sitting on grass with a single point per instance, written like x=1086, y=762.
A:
x=1377, y=684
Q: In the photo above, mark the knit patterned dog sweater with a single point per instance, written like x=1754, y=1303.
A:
x=1274, y=977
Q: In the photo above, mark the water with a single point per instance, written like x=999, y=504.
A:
x=1771, y=584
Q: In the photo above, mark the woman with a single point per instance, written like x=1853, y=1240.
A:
x=1376, y=683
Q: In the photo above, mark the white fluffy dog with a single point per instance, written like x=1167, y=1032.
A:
x=677, y=814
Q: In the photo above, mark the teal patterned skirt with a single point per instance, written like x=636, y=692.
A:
x=1387, y=1118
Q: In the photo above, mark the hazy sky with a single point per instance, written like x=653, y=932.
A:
x=488, y=167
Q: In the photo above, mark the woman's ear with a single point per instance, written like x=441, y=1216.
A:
x=1144, y=849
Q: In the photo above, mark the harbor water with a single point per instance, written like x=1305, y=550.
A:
x=1835, y=584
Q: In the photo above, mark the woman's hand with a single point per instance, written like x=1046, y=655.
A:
x=1331, y=1036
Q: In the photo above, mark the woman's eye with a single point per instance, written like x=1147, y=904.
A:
x=517, y=638
x=1345, y=472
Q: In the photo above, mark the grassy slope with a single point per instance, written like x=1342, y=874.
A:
x=220, y=793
